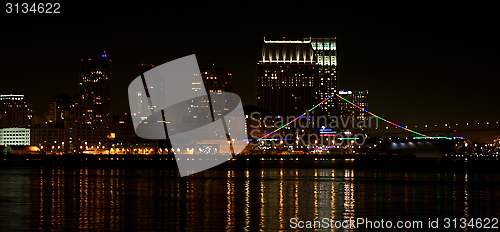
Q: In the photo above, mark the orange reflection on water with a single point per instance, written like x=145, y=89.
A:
x=249, y=199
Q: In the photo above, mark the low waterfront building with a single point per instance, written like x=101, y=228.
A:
x=15, y=136
x=48, y=138
x=21, y=149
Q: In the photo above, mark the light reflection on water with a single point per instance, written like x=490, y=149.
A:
x=246, y=199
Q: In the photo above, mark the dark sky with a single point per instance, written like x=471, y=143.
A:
x=421, y=62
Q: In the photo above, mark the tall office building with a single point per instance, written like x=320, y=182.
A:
x=14, y=111
x=217, y=79
x=325, y=50
x=94, y=89
x=288, y=77
x=351, y=113
x=143, y=106
x=61, y=107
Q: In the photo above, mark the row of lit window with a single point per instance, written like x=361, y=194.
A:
x=324, y=47
x=15, y=135
x=14, y=139
x=7, y=130
x=286, y=84
x=16, y=143
x=18, y=105
x=11, y=98
x=96, y=72
x=287, y=78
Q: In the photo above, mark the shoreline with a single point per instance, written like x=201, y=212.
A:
x=385, y=162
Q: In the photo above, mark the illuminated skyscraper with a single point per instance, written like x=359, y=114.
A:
x=14, y=111
x=325, y=50
x=94, y=89
x=351, y=113
x=217, y=79
x=61, y=108
x=288, y=77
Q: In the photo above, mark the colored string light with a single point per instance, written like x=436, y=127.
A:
x=383, y=119
x=359, y=107
x=297, y=118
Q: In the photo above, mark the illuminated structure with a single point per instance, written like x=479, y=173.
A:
x=143, y=106
x=80, y=137
x=72, y=137
x=61, y=108
x=217, y=79
x=294, y=75
x=15, y=136
x=14, y=111
x=380, y=118
x=260, y=121
x=74, y=125
x=349, y=102
x=48, y=138
x=288, y=77
x=298, y=117
x=325, y=50
x=94, y=89
x=359, y=98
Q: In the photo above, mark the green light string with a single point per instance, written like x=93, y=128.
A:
x=297, y=118
x=383, y=119
x=359, y=107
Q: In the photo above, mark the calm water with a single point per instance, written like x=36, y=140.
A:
x=249, y=198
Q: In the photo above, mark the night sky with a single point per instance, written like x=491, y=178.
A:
x=421, y=62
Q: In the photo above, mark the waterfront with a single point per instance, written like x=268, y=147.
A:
x=263, y=195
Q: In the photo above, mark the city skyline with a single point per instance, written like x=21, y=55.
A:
x=430, y=59
x=254, y=116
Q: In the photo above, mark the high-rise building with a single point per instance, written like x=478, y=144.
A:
x=61, y=107
x=288, y=77
x=351, y=113
x=217, y=79
x=94, y=89
x=325, y=50
x=14, y=111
